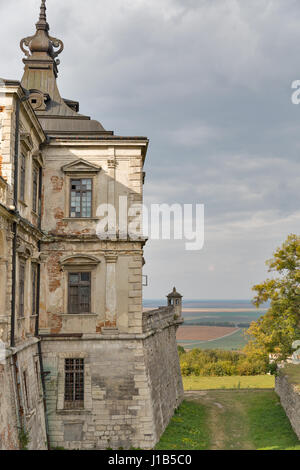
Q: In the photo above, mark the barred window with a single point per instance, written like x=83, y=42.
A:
x=22, y=178
x=74, y=383
x=81, y=198
x=34, y=288
x=21, y=288
x=79, y=293
x=35, y=178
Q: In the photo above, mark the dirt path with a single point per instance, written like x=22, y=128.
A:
x=227, y=419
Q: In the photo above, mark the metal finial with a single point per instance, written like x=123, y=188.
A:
x=41, y=41
x=43, y=11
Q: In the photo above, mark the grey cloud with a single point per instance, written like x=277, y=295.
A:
x=209, y=81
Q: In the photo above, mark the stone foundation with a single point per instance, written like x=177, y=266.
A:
x=132, y=387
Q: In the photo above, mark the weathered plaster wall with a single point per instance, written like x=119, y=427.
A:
x=119, y=172
x=125, y=286
x=5, y=278
x=290, y=399
x=8, y=419
x=21, y=363
x=19, y=409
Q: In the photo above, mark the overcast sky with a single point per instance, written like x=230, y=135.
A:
x=209, y=82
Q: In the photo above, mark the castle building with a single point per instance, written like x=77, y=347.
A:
x=82, y=366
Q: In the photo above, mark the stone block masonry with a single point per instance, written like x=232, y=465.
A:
x=290, y=400
x=129, y=395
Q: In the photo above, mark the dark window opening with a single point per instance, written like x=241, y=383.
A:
x=22, y=178
x=38, y=377
x=34, y=288
x=21, y=288
x=79, y=293
x=81, y=198
x=74, y=383
x=35, y=178
x=26, y=389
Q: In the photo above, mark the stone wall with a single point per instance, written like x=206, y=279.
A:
x=8, y=419
x=132, y=387
x=165, y=379
x=21, y=399
x=290, y=400
x=117, y=408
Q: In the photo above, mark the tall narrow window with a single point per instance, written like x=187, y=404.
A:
x=79, y=293
x=34, y=288
x=74, y=383
x=38, y=376
x=22, y=177
x=25, y=382
x=21, y=288
x=35, y=177
x=81, y=198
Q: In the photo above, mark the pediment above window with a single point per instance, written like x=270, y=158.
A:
x=38, y=158
x=81, y=166
x=24, y=252
x=26, y=140
x=79, y=261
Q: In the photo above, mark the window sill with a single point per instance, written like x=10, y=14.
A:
x=76, y=315
x=78, y=219
x=75, y=411
x=23, y=203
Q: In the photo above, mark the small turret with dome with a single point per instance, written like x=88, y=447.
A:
x=175, y=300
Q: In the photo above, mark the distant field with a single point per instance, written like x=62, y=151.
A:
x=218, y=310
x=221, y=315
x=203, y=333
x=231, y=382
x=228, y=317
x=235, y=341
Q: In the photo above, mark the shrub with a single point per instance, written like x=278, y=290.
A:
x=200, y=362
x=180, y=350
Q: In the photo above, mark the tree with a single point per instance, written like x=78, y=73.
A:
x=276, y=331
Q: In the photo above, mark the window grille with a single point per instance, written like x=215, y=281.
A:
x=74, y=383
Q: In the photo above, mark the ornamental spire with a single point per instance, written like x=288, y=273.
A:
x=41, y=45
x=43, y=11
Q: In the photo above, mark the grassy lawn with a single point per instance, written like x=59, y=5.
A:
x=188, y=429
x=230, y=420
x=239, y=382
